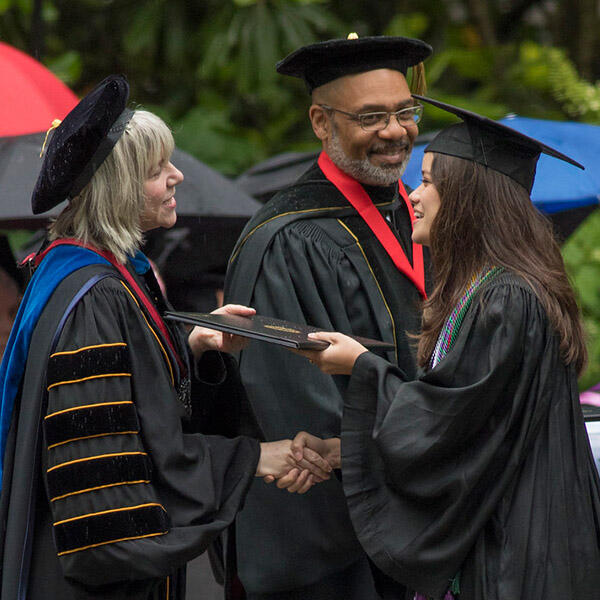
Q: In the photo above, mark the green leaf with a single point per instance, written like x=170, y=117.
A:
x=408, y=25
x=26, y=6
x=142, y=33
x=175, y=35
x=5, y=5
x=587, y=282
x=49, y=12
x=210, y=136
x=67, y=67
x=264, y=45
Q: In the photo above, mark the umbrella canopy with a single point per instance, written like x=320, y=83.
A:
x=269, y=176
x=20, y=164
x=203, y=193
x=558, y=185
x=32, y=96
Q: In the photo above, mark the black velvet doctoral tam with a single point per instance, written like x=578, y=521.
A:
x=323, y=62
x=81, y=143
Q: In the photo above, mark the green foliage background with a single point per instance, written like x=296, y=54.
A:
x=207, y=67
x=582, y=258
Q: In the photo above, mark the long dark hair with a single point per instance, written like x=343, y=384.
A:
x=487, y=219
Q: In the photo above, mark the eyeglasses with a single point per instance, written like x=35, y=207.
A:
x=376, y=121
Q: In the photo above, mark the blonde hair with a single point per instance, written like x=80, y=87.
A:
x=107, y=211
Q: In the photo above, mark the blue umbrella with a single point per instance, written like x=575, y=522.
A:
x=558, y=185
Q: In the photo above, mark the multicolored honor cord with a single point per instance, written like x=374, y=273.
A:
x=450, y=330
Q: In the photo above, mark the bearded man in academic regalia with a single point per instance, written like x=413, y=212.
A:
x=334, y=251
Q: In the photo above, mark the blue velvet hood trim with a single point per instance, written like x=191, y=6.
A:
x=56, y=266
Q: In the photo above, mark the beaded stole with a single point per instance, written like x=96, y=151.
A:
x=443, y=345
x=450, y=330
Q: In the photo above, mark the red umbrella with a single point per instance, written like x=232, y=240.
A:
x=32, y=96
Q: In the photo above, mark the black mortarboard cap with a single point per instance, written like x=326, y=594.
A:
x=491, y=144
x=81, y=142
x=323, y=62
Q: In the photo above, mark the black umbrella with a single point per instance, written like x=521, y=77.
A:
x=204, y=192
x=269, y=176
x=20, y=164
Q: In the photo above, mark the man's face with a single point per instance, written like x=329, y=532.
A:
x=372, y=157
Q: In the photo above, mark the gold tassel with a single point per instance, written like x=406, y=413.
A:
x=418, y=83
x=54, y=125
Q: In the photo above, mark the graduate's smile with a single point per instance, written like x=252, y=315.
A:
x=426, y=203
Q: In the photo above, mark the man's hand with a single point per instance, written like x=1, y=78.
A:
x=296, y=481
x=202, y=339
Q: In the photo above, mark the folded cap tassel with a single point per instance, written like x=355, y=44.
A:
x=54, y=125
x=418, y=81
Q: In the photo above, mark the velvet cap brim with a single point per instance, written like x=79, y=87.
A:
x=492, y=144
x=323, y=62
x=80, y=144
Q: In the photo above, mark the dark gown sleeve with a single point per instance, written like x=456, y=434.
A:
x=220, y=405
x=132, y=496
x=427, y=462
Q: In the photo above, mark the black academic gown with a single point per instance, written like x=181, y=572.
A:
x=308, y=257
x=116, y=498
x=481, y=465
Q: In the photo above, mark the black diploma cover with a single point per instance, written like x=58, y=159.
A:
x=266, y=329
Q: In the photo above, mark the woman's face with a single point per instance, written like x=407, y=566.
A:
x=159, y=191
x=426, y=203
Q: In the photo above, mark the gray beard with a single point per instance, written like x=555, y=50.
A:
x=362, y=169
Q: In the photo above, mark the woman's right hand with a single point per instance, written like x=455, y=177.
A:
x=339, y=357
x=305, y=445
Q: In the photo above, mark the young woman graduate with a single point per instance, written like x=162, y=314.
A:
x=104, y=493
x=476, y=480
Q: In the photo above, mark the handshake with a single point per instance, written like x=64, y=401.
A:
x=298, y=464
